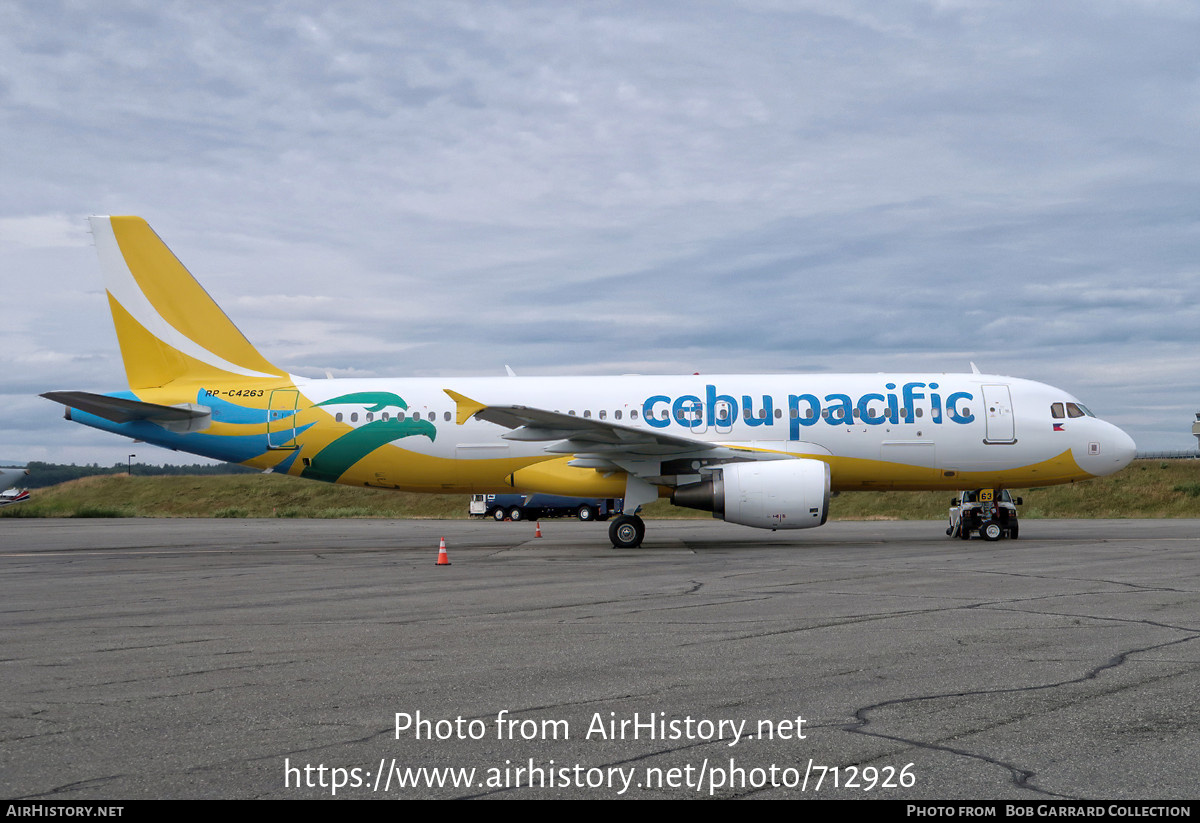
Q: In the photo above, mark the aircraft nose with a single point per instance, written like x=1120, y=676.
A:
x=1114, y=451
x=1123, y=447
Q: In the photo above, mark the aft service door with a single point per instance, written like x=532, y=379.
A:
x=998, y=413
x=281, y=419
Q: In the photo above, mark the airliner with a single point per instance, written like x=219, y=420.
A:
x=14, y=495
x=764, y=451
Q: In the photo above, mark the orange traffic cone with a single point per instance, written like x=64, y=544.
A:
x=538, y=533
x=443, y=559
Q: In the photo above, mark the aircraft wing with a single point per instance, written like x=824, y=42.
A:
x=13, y=495
x=602, y=444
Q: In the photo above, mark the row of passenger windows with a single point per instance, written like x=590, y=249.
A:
x=1057, y=411
x=747, y=414
x=1071, y=410
x=681, y=415
x=369, y=416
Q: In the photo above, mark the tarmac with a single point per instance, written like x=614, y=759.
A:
x=333, y=658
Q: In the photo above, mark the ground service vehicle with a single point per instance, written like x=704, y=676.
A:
x=990, y=513
x=538, y=506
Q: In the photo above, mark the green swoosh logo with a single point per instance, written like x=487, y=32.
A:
x=331, y=462
x=377, y=400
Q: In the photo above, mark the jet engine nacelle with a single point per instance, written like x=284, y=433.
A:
x=775, y=494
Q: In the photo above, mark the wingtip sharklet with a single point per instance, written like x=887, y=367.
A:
x=466, y=407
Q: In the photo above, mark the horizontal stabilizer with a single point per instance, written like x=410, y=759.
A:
x=185, y=417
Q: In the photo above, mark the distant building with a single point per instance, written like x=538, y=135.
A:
x=1196, y=428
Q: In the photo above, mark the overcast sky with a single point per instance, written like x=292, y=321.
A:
x=389, y=189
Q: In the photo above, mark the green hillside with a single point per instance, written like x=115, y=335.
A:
x=1148, y=488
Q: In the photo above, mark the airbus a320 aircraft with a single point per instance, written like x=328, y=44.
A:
x=760, y=450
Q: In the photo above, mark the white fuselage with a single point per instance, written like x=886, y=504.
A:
x=877, y=428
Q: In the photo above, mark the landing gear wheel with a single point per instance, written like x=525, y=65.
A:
x=991, y=530
x=626, y=532
x=963, y=531
x=586, y=513
x=515, y=514
x=498, y=515
x=1012, y=532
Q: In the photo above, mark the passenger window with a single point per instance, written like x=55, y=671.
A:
x=354, y=417
x=416, y=415
x=338, y=417
x=633, y=414
x=778, y=413
x=571, y=412
x=447, y=416
x=617, y=414
x=1056, y=411
x=399, y=415
x=370, y=416
x=603, y=414
x=385, y=417
x=587, y=412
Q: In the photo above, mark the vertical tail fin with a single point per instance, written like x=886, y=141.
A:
x=167, y=325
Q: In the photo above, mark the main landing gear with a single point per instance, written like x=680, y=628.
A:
x=627, y=531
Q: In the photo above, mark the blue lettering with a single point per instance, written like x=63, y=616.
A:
x=806, y=410
x=710, y=404
x=952, y=408
x=648, y=411
x=685, y=410
x=844, y=405
x=752, y=419
x=910, y=400
x=810, y=416
x=866, y=414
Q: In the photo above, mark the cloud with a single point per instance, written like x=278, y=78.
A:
x=43, y=231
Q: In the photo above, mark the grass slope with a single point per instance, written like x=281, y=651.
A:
x=1148, y=488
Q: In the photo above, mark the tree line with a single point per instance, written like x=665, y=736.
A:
x=49, y=474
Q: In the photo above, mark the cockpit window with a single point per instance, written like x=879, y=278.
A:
x=1078, y=410
x=1056, y=411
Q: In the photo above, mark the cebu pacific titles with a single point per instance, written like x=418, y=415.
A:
x=759, y=450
